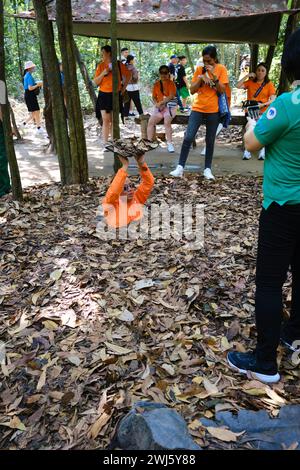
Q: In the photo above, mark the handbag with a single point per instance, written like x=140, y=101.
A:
x=224, y=110
x=125, y=97
x=37, y=91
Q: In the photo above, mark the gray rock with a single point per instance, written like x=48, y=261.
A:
x=154, y=426
x=262, y=431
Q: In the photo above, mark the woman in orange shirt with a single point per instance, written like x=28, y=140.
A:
x=103, y=79
x=207, y=83
x=164, y=97
x=260, y=89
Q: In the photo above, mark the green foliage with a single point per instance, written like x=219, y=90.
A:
x=21, y=44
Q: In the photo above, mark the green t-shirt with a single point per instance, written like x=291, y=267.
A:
x=279, y=131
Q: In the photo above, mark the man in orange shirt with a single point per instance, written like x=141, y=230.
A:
x=164, y=97
x=260, y=89
x=103, y=79
x=123, y=204
x=207, y=83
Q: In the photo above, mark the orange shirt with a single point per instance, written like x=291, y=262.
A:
x=206, y=99
x=265, y=94
x=117, y=211
x=169, y=88
x=107, y=83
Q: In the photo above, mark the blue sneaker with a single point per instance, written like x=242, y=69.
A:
x=246, y=363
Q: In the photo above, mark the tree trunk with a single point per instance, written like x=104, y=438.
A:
x=237, y=61
x=254, y=57
x=116, y=110
x=48, y=109
x=77, y=136
x=59, y=115
x=270, y=55
x=10, y=150
x=290, y=28
x=18, y=41
x=85, y=75
x=188, y=55
x=14, y=124
x=98, y=53
x=222, y=51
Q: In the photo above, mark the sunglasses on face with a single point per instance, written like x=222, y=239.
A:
x=164, y=73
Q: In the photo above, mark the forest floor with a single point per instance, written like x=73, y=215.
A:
x=90, y=326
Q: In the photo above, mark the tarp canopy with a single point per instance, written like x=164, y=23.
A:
x=182, y=21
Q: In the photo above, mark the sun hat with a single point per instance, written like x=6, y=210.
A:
x=29, y=65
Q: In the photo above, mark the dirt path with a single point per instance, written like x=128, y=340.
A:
x=38, y=166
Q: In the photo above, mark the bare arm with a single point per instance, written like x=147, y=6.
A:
x=34, y=87
x=240, y=84
x=272, y=98
x=197, y=84
x=98, y=80
x=251, y=142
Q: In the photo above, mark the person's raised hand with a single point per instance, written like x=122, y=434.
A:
x=140, y=159
x=124, y=161
x=210, y=68
x=206, y=80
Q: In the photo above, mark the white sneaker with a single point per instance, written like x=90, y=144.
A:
x=171, y=147
x=178, y=172
x=247, y=155
x=262, y=154
x=208, y=174
x=203, y=153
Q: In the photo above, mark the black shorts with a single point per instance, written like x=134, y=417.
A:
x=31, y=101
x=105, y=103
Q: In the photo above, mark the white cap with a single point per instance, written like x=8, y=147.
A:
x=29, y=65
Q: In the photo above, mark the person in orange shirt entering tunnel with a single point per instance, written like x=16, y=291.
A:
x=123, y=203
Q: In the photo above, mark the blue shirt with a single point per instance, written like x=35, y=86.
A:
x=279, y=131
x=28, y=81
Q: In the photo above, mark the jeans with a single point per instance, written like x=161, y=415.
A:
x=278, y=249
x=135, y=97
x=179, y=99
x=211, y=120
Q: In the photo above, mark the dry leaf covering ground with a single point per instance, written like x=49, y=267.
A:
x=80, y=342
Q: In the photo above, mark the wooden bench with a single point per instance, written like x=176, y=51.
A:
x=236, y=120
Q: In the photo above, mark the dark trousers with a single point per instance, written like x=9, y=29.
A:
x=196, y=119
x=135, y=97
x=179, y=99
x=278, y=249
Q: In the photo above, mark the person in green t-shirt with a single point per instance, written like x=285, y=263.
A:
x=4, y=175
x=279, y=230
